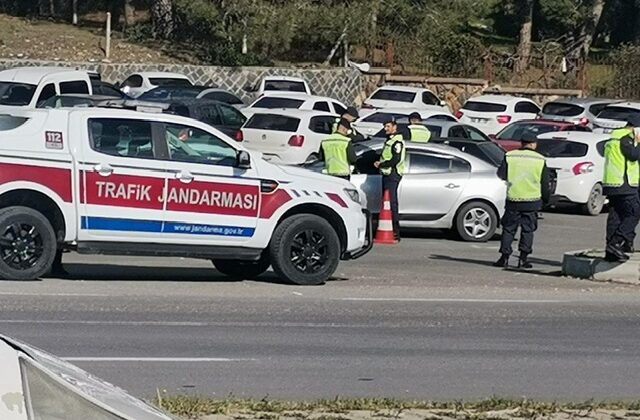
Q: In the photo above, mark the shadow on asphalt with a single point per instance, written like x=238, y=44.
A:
x=487, y=263
x=113, y=272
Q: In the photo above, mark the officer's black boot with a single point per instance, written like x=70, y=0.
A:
x=503, y=262
x=614, y=253
x=628, y=248
x=523, y=262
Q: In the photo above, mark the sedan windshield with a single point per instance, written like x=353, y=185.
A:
x=17, y=94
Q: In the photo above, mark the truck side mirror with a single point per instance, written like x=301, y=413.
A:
x=243, y=159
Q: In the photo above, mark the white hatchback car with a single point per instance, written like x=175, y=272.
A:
x=372, y=122
x=294, y=100
x=403, y=97
x=492, y=113
x=139, y=83
x=287, y=136
x=615, y=116
x=578, y=159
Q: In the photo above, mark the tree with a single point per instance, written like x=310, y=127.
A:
x=162, y=18
x=524, y=44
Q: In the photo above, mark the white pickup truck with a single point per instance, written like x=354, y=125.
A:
x=124, y=182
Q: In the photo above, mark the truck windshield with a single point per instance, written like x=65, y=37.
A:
x=17, y=94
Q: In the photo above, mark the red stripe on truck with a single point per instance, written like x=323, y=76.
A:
x=56, y=179
x=272, y=202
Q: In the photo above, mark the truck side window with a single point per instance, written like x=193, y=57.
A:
x=47, y=92
x=121, y=137
x=76, y=86
x=188, y=144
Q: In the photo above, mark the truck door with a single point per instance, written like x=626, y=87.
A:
x=121, y=183
x=209, y=200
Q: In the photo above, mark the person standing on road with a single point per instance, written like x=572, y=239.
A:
x=351, y=114
x=620, y=181
x=392, y=168
x=527, y=177
x=417, y=130
x=338, y=153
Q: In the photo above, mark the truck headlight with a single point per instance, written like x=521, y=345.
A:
x=353, y=195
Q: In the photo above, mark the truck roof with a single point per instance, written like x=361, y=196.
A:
x=33, y=75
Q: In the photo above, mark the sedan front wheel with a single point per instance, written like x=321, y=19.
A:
x=476, y=222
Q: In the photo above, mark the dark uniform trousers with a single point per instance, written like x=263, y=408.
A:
x=624, y=214
x=391, y=183
x=528, y=223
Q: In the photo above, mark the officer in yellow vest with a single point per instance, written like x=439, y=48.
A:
x=351, y=114
x=418, y=131
x=337, y=152
x=620, y=181
x=527, y=177
x=392, y=168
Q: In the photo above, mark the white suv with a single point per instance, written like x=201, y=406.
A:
x=578, y=160
x=403, y=97
x=123, y=182
x=293, y=100
x=287, y=136
x=491, y=113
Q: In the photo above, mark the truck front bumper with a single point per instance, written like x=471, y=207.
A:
x=368, y=243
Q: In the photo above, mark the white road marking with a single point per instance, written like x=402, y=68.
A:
x=186, y=323
x=450, y=300
x=154, y=359
x=53, y=294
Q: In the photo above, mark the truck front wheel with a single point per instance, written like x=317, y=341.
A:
x=27, y=244
x=305, y=250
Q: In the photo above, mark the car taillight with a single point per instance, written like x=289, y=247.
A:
x=504, y=119
x=239, y=136
x=459, y=114
x=296, y=141
x=584, y=121
x=583, y=168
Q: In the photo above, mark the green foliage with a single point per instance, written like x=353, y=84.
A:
x=627, y=81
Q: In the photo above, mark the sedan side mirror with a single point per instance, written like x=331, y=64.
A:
x=243, y=159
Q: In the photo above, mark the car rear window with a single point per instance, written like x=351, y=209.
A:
x=394, y=95
x=484, y=107
x=556, y=148
x=383, y=117
x=618, y=112
x=285, y=85
x=273, y=122
x=225, y=97
x=272, y=103
x=526, y=131
x=169, y=81
x=562, y=109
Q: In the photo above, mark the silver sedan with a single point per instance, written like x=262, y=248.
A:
x=444, y=188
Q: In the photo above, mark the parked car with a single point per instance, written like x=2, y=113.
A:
x=443, y=188
x=28, y=86
x=441, y=129
x=578, y=160
x=169, y=93
x=614, y=116
x=483, y=150
x=371, y=123
x=38, y=385
x=403, y=97
x=139, y=83
x=220, y=115
x=580, y=111
x=511, y=136
x=279, y=84
x=294, y=100
x=288, y=136
x=491, y=113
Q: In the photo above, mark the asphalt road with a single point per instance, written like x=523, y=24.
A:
x=429, y=319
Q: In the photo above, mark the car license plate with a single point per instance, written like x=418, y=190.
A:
x=479, y=120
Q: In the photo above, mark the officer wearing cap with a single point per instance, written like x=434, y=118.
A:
x=351, y=114
x=527, y=177
x=392, y=168
x=620, y=181
x=418, y=132
x=337, y=151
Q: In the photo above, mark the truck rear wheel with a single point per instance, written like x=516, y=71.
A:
x=305, y=250
x=242, y=270
x=27, y=244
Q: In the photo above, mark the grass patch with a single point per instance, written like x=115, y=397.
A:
x=194, y=407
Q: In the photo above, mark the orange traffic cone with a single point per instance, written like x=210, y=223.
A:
x=384, y=234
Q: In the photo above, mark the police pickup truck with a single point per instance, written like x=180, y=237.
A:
x=125, y=182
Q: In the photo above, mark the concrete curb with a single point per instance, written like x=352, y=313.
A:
x=589, y=264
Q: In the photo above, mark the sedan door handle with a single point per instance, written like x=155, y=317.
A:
x=103, y=169
x=451, y=186
x=184, y=176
